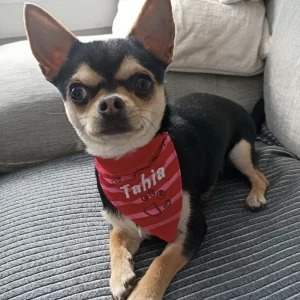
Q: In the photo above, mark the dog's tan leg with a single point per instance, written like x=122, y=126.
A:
x=240, y=156
x=160, y=273
x=122, y=248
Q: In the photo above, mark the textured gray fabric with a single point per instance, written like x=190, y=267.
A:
x=282, y=74
x=273, y=8
x=33, y=124
x=244, y=90
x=54, y=242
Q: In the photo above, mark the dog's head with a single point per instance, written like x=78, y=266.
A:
x=112, y=90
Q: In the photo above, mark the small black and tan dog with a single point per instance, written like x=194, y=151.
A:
x=114, y=96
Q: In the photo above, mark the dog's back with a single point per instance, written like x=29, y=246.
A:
x=204, y=129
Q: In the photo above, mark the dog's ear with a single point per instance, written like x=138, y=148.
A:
x=50, y=41
x=155, y=29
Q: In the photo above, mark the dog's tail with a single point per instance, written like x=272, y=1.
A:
x=258, y=114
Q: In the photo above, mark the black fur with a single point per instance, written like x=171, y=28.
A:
x=258, y=114
x=105, y=57
x=204, y=128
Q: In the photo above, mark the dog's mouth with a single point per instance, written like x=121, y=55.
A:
x=114, y=130
x=112, y=127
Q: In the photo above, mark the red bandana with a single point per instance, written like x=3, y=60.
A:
x=146, y=186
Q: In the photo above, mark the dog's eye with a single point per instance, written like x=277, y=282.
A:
x=79, y=94
x=143, y=85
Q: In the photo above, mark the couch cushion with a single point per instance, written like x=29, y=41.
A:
x=34, y=127
x=244, y=90
x=282, y=74
x=54, y=241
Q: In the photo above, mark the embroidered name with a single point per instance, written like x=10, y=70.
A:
x=145, y=183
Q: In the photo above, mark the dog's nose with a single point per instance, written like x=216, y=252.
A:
x=111, y=106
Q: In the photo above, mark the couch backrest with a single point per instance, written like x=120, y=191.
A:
x=282, y=73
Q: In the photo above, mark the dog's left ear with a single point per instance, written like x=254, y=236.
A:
x=155, y=29
x=50, y=41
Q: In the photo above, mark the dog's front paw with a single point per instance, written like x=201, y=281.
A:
x=256, y=202
x=122, y=280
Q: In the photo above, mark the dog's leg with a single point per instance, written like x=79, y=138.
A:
x=190, y=234
x=122, y=248
x=242, y=158
x=162, y=270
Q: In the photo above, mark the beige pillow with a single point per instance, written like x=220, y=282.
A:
x=212, y=37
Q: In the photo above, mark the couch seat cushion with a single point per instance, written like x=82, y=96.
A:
x=54, y=241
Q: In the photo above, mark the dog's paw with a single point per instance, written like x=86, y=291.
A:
x=256, y=202
x=122, y=280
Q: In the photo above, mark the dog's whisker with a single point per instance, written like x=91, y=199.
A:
x=143, y=117
x=76, y=142
x=146, y=110
x=82, y=130
x=128, y=141
x=85, y=117
x=79, y=135
x=55, y=113
x=144, y=104
x=109, y=149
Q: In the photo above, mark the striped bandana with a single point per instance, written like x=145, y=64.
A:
x=146, y=186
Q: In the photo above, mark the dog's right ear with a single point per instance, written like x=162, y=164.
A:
x=50, y=41
x=155, y=29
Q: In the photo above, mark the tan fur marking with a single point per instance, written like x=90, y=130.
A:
x=128, y=240
x=263, y=177
x=160, y=273
x=122, y=247
x=84, y=118
x=124, y=224
x=185, y=213
x=87, y=76
x=144, y=116
x=240, y=155
x=129, y=67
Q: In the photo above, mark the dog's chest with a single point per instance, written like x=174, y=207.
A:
x=122, y=223
x=146, y=188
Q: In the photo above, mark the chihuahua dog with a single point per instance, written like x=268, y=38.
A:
x=156, y=159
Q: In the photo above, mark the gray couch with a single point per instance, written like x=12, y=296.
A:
x=53, y=239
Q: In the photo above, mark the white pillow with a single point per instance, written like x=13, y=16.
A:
x=211, y=37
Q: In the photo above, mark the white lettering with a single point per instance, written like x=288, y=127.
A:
x=153, y=178
x=160, y=173
x=125, y=188
x=136, y=189
x=144, y=182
